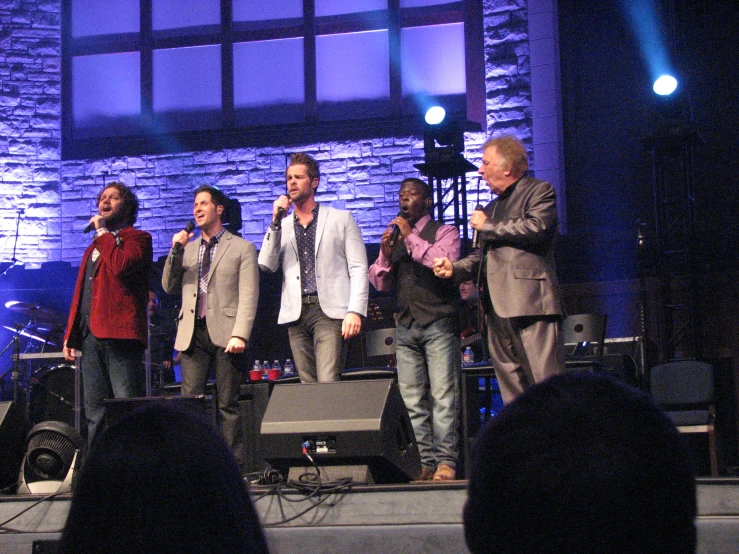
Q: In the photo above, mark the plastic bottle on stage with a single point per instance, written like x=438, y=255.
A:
x=289, y=367
x=275, y=371
x=468, y=358
x=256, y=371
x=265, y=370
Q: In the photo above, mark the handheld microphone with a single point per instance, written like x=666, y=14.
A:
x=90, y=227
x=395, y=234
x=475, y=233
x=188, y=229
x=278, y=218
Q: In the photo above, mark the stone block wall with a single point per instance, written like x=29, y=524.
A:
x=30, y=130
x=57, y=198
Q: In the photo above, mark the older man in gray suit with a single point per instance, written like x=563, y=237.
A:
x=515, y=267
x=324, y=266
x=219, y=280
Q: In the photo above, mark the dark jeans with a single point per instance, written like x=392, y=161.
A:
x=111, y=368
x=196, y=363
x=318, y=348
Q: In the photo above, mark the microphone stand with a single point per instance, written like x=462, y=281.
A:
x=482, y=323
x=147, y=355
x=641, y=255
x=16, y=364
x=13, y=261
x=13, y=356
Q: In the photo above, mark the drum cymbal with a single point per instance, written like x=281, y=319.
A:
x=45, y=328
x=22, y=332
x=34, y=311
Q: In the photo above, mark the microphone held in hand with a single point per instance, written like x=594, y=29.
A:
x=188, y=229
x=277, y=223
x=395, y=233
x=90, y=227
x=475, y=233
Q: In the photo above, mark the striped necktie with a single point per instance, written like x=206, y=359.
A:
x=204, y=271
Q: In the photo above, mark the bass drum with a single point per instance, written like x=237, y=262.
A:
x=52, y=397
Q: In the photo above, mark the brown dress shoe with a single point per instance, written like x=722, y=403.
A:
x=445, y=473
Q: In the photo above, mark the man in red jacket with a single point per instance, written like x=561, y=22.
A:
x=107, y=318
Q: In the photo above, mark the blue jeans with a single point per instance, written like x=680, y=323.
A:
x=111, y=368
x=318, y=348
x=429, y=366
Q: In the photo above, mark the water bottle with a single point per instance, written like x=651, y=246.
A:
x=265, y=370
x=256, y=371
x=468, y=358
x=276, y=370
x=289, y=367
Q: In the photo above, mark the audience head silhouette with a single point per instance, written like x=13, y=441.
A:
x=581, y=464
x=161, y=480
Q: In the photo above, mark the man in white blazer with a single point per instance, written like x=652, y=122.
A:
x=324, y=266
x=219, y=280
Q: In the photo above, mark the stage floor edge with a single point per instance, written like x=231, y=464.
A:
x=416, y=518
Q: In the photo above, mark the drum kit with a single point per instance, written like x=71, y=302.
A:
x=47, y=390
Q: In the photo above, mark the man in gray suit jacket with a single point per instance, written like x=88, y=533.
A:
x=219, y=280
x=515, y=268
x=324, y=266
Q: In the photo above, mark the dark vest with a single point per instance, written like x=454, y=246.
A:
x=86, y=297
x=422, y=296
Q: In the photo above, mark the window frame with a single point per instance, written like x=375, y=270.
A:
x=311, y=129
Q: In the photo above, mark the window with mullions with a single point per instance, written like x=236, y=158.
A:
x=164, y=75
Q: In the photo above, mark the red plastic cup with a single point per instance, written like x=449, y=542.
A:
x=273, y=374
x=255, y=375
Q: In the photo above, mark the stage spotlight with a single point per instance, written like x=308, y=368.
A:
x=435, y=115
x=443, y=145
x=52, y=456
x=665, y=85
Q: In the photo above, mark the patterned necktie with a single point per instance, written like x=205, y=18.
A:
x=204, y=271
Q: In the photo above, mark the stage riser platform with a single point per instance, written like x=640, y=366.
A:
x=423, y=519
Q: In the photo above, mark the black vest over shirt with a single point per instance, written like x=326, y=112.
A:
x=422, y=296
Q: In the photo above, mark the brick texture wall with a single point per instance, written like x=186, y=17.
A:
x=57, y=198
x=30, y=130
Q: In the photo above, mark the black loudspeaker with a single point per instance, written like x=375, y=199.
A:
x=253, y=402
x=12, y=442
x=116, y=408
x=343, y=423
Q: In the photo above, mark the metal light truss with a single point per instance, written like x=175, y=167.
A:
x=678, y=255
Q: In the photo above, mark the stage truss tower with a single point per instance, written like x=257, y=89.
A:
x=678, y=260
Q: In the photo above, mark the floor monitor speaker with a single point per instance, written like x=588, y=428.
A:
x=253, y=402
x=12, y=442
x=116, y=408
x=343, y=423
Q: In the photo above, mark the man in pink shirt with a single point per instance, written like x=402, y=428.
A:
x=427, y=339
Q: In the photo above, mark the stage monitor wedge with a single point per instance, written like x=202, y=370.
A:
x=118, y=408
x=344, y=423
x=12, y=442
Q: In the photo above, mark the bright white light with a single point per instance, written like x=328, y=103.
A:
x=666, y=84
x=435, y=115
